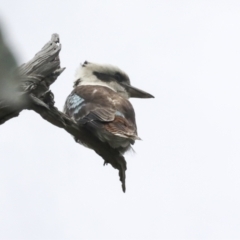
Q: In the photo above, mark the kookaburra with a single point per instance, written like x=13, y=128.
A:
x=99, y=105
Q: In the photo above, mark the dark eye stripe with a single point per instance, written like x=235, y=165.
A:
x=102, y=76
x=118, y=77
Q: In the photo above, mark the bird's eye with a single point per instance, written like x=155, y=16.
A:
x=118, y=77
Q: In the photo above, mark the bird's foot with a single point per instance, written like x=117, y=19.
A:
x=105, y=163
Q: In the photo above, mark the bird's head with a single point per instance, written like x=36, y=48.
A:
x=108, y=76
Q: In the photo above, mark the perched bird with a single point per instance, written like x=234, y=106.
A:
x=99, y=105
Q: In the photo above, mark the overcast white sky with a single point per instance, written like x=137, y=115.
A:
x=184, y=180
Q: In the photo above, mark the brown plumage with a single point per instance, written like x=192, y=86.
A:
x=105, y=114
x=99, y=105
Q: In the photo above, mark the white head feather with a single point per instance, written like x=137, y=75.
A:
x=85, y=76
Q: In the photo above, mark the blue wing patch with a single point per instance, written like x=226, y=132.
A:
x=74, y=102
x=117, y=113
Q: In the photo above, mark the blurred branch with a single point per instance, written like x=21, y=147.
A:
x=31, y=81
x=28, y=87
x=9, y=106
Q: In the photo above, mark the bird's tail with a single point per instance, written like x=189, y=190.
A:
x=121, y=165
x=117, y=160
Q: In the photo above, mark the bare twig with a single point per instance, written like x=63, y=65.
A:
x=29, y=89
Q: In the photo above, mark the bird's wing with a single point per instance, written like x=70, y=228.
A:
x=98, y=117
x=82, y=112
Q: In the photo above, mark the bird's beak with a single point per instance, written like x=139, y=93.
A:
x=135, y=92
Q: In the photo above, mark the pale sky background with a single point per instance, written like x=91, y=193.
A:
x=184, y=180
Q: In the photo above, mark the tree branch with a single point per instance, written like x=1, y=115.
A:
x=28, y=88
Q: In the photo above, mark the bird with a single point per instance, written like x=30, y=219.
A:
x=99, y=104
